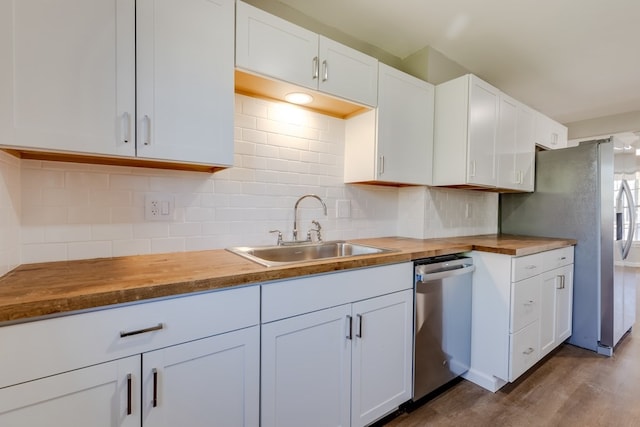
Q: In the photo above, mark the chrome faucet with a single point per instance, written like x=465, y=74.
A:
x=295, y=213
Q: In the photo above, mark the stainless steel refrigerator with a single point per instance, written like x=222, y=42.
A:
x=586, y=193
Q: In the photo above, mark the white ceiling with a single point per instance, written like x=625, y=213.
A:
x=571, y=59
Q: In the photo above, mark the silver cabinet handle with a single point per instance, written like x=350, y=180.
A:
x=315, y=66
x=561, y=282
x=531, y=267
x=147, y=127
x=349, y=327
x=359, y=333
x=472, y=168
x=528, y=351
x=325, y=71
x=381, y=167
x=129, y=394
x=126, y=127
x=530, y=302
x=158, y=327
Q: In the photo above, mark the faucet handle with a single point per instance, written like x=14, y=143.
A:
x=317, y=230
x=279, y=235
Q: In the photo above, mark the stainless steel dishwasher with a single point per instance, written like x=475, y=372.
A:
x=442, y=341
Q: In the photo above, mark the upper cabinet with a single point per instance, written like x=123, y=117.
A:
x=119, y=79
x=270, y=46
x=515, y=148
x=393, y=144
x=465, y=133
x=549, y=133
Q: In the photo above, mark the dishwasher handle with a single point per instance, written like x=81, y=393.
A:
x=427, y=277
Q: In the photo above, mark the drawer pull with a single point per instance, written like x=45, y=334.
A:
x=530, y=302
x=158, y=327
x=531, y=267
x=528, y=351
x=563, y=258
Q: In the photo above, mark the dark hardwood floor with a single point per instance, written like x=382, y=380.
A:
x=571, y=387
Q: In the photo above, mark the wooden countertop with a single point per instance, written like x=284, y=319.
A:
x=43, y=289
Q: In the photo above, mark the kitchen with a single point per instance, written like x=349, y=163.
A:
x=66, y=211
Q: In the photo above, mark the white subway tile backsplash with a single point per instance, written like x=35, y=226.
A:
x=72, y=211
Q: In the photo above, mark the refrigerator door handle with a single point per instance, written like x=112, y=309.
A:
x=632, y=218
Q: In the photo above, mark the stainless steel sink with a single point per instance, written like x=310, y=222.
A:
x=271, y=256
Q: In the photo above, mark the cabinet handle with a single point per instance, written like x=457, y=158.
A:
x=528, y=351
x=129, y=394
x=325, y=71
x=359, y=333
x=531, y=267
x=349, y=327
x=158, y=327
x=126, y=127
x=381, y=165
x=530, y=302
x=554, y=138
x=520, y=177
x=561, y=281
x=315, y=70
x=472, y=172
x=563, y=258
x=147, y=127
x=154, y=402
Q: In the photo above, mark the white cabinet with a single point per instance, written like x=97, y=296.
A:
x=273, y=47
x=185, y=361
x=556, y=308
x=521, y=310
x=465, y=133
x=72, y=73
x=100, y=396
x=212, y=380
x=549, y=133
x=515, y=148
x=337, y=348
x=394, y=142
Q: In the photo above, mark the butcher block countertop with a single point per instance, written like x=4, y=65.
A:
x=43, y=289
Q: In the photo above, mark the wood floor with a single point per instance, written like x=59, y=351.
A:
x=571, y=387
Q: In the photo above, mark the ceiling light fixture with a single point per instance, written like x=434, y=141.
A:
x=299, y=98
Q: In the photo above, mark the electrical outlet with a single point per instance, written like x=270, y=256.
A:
x=158, y=207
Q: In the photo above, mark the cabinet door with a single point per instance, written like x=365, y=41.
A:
x=212, y=381
x=185, y=80
x=549, y=283
x=525, y=148
x=104, y=395
x=405, y=128
x=508, y=175
x=67, y=75
x=347, y=73
x=564, y=304
x=382, y=355
x=306, y=370
x=273, y=47
x=483, y=129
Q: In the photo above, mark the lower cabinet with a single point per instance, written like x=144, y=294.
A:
x=210, y=380
x=521, y=310
x=171, y=374
x=345, y=365
x=95, y=396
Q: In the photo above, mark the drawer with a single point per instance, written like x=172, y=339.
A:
x=525, y=303
x=558, y=258
x=524, y=351
x=527, y=266
x=46, y=347
x=303, y=295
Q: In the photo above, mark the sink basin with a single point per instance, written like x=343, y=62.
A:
x=271, y=256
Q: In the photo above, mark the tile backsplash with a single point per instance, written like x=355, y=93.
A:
x=56, y=211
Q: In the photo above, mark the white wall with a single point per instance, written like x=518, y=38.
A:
x=79, y=211
x=9, y=212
